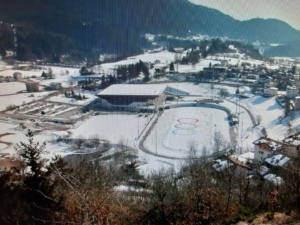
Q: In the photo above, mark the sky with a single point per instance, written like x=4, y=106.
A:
x=285, y=10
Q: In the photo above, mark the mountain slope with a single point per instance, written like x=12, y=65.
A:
x=97, y=26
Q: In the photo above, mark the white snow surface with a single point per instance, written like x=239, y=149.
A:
x=11, y=88
x=179, y=129
x=113, y=127
x=19, y=99
x=134, y=89
x=63, y=99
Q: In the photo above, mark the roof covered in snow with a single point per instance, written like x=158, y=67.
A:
x=273, y=144
x=277, y=160
x=274, y=179
x=134, y=89
x=220, y=165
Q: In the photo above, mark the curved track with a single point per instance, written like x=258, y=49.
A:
x=154, y=123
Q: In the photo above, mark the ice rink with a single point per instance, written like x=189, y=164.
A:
x=179, y=129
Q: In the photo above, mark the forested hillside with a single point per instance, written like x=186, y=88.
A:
x=81, y=29
x=86, y=191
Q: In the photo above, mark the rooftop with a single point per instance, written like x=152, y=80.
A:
x=220, y=165
x=274, y=179
x=274, y=145
x=277, y=160
x=134, y=89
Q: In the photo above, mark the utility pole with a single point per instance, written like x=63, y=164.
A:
x=177, y=92
x=156, y=136
x=138, y=126
x=15, y=41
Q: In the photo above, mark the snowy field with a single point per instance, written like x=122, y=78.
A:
x=113, y=127
x=61, y=98
x=11, y=88
x=20, y=99
x=17, y=134
x=89, y=97
x=63, y=75
x=180, y=129
x=25, y=73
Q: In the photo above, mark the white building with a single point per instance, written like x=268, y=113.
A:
x=291, y=92
x=266, y=147
x=136, y=96
x=130, y=96
x=271, y=91
x=262, y=150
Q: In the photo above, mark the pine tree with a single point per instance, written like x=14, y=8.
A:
x=172, y=67
x=30, y=154
x=37, y=192
x=44, y=74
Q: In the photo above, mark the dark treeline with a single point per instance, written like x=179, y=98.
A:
x=216, y=46
x=129, y=72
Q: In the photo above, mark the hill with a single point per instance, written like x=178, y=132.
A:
x=87, y=28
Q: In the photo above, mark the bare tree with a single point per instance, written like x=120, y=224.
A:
x=258, y=119
x=264, y=132
x=219, y=141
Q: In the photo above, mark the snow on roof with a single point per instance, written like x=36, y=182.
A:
x=295, y=142
x=260, y=141
x=274, y=145
x=134, y=89
x=277, y=160
x=263, y=170
x=220, y=165
x=274, y=179
x=248, y=156
x=131, y=189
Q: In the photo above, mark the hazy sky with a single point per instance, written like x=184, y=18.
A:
x=286, y=10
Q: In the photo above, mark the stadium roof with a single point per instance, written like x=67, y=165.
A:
x=134, y=90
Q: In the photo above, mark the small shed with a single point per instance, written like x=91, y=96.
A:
x=17, y=75
x=32, y=86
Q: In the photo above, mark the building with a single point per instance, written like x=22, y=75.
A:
x=270, y=91
x=277, y=160
x=291, y=92
x=135, y=96
x=54, y=86
x=297, y=103
x=32, y=86
x=9, y=79
x=207, y=73
x=262, y=150
x=177, y=77
x=268, y=148
x=17, y=75
x=252, y=76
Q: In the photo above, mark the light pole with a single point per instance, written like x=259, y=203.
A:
x=138, y=126
x=156, y=136
x=242, y=127
x=177, y=92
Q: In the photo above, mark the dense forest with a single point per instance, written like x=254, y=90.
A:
x=84, y=29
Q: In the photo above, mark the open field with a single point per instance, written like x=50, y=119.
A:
x=113, y=127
